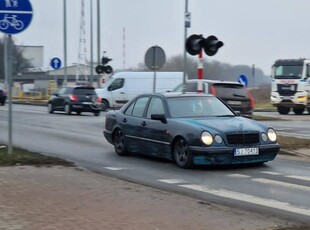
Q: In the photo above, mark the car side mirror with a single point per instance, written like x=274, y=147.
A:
x=159, y=117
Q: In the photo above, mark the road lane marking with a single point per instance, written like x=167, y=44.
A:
x=248, y=198
x=238, y=175
x=114, y=168
x=173, y=181
x=284, y=184
x=306, y=178
x=271, y=173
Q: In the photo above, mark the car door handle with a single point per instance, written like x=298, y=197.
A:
x=124, y=120
x=143, y=123
x=122, y=93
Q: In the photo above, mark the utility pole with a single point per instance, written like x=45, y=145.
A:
x=65, y=43
x=98, y=39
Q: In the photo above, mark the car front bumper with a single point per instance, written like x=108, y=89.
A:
x=224, y=155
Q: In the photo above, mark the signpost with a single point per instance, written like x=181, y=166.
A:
x=55, y=63
x=243, y=80
x=15, y=17
x=154, y=59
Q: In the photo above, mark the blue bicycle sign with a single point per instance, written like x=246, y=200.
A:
x=15, y=15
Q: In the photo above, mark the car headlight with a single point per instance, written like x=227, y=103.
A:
x=264, y=137
x=206, y=138
x=272, y=135
x=218, y=139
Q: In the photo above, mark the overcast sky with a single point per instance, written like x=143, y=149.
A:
x=253, y=31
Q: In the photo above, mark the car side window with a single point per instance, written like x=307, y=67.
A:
x=155, y=107
x=62, y=91
x=139, y=107
x=129, y=109
x=116, y=84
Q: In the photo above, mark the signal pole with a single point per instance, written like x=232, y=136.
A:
x=186, y=25
x=200, y=72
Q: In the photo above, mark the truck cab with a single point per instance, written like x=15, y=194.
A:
x=290, y=87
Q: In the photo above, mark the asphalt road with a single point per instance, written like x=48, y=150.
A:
x=289, y=125
x=280, y=188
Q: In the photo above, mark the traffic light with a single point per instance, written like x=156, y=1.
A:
x=104, y=68
x=195, y=43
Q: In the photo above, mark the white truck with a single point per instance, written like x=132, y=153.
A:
x=290, y=86
x=123, y=86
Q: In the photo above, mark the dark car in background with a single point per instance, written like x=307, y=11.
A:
x=234, y=94
x=190, y=129
x=3, y=96
x=76, y=99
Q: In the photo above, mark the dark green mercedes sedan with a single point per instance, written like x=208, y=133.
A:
x=190, y=129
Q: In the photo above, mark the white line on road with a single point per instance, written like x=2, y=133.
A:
x=238, y=175
x=114, y=168
x=307, y=178
x=249, y=198
x=271, y=173
x=173, y=181
x=284, y=184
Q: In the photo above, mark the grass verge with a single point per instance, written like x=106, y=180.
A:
x=24, y=157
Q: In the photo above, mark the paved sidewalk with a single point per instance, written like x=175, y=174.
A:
x=66, y=198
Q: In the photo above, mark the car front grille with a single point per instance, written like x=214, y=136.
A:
x=242, y=138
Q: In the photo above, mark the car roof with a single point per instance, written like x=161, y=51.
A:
x=178, y=94
x=214, y=82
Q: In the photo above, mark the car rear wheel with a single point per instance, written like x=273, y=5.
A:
x=298, y=111
x=67, y=109
x=104, y=105
x=283, y=110
x=182, y=154
x=97, y=113
x=119, y=143
x=50, y=108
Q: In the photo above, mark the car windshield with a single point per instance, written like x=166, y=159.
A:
x=288, y=72
x=197, y=106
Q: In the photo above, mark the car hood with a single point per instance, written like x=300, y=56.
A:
x=227, y=124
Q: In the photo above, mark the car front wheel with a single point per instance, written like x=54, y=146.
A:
x=182, y=154
x=50, y=108
x=119, y=143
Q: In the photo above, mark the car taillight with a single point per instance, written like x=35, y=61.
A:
x=73, y=97
x=213, y=90
x=4, y=92
x=98, y=99
x=251, y=99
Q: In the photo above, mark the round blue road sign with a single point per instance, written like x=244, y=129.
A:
x=243, y=80
x=15, y=16
x=55, y=63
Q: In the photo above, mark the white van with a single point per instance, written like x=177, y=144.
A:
x=123, y=86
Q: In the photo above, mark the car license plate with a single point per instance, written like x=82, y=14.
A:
x=246, y=152
x=234, y=102
x=87, y=103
